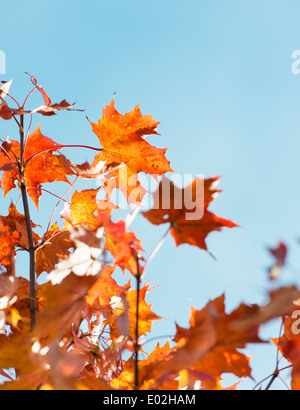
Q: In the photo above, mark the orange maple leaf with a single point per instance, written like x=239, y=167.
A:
x=122, y=245
x=40, y=164
x=289, y=345
x=13, y=233
x=82, y=208
x=85, y=209
x=123, y=141
x=100, y=295
x=126, y=305
x=55, y=246
x=211, y=342
x=186, y=210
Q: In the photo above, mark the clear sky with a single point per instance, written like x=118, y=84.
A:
x=218, y=75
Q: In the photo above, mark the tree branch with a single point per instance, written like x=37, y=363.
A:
x=31, y=244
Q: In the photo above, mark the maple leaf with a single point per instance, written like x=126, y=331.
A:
x=13, y=233
x=82, y=208
x=146, y=316
x=85, y=209
x=5, y=111
x=55, y=246
x=84, y=260
x=40, y=164
x=9, y=152
x=64, y=298
x=122, y=245
x=101, y=293
x=8, y=287
x=4, y=89
x=17, y=351
x=49, y=109
x=280, y=254
x=186, y=210
x=122, y=138
x=63, y=305
x=212, y=340
x=159, y=354
x=218, y=362
x=22, y=302
x=42, y=91
x=289, y=344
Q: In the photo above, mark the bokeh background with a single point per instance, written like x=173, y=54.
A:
x=218, y=75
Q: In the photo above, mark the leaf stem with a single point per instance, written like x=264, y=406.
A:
x=57, y=147
x=35, y=88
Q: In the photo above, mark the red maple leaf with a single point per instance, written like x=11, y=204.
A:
x=41, y=165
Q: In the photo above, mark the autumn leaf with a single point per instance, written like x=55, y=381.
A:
x=8, y=284
x=186, y=210
x=146, y=316
x=4, y=89
x=42, y=91
x=9, y=155
x=55, y=246
x=22, y=302
x=64, y=299
x=84, y=260
x=41, y=165
x=159, y=354
x=213, y=340
x=49, y=109
x=126, y=379
x=18, y=351
x=101, y=293
x=5, y=111
x=13, y=233
x=123, y=141
x=279, y=254
x=85, y=209
x=121, y=245
x=63, y=304
x=86, y=323
x=82, y=208
x=289, y=344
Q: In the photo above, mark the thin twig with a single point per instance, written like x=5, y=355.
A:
x=136, y=346
x=61, y=199
x=27, y=133
x=156, y=249
x=276, y=371
x=35, y=88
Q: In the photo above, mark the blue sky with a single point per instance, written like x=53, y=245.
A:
x=218, y=75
